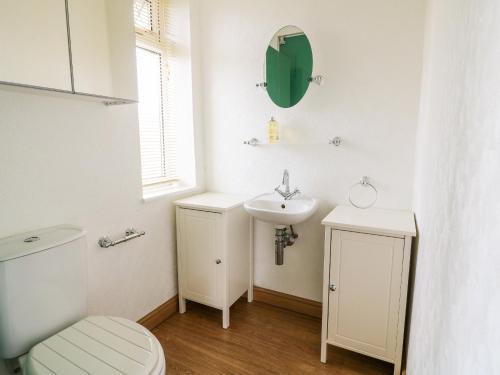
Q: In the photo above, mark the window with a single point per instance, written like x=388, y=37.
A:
x=157, y=133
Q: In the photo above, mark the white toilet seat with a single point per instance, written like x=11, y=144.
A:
x=98, y=345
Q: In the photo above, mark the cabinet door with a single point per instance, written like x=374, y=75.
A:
x=200, y=246
x=34, y=44
x=363, y=308
x=103, y=48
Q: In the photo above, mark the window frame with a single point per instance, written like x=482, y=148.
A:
x=154, y=41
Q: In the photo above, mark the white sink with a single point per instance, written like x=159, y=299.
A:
x=272, y=208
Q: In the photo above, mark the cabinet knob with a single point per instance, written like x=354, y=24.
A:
x=333, y=287
x=218, y=261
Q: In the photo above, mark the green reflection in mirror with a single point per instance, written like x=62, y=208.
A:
x=289, y=64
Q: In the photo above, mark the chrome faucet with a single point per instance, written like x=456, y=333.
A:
x=286, y=183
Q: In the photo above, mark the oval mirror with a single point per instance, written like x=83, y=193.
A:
x=288, y=67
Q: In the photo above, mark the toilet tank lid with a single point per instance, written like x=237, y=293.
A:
x=27, y=243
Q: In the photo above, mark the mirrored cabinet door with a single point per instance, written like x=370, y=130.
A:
x=102, y=48
x=34, y=44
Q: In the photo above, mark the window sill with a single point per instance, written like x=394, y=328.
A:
x=166, y=191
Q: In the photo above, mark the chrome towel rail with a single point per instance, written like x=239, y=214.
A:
x=130, y=234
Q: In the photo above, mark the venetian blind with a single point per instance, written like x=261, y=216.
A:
x=157, y=128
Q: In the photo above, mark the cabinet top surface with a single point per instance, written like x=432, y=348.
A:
x=218, y=202
x=372, y=220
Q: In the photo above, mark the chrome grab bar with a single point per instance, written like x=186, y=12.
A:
x=130, y=234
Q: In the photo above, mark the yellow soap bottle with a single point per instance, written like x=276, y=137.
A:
x=273, y=131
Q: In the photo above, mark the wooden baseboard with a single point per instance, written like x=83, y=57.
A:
x=271, y=297
x=287, y=301
x=160, y=314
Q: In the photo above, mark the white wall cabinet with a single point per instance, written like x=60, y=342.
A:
x=366, y=267
x=84, y=47
x=214, y=251
x=34, y=44
x=103, y=48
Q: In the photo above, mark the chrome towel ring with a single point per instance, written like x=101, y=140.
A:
x=364, y=182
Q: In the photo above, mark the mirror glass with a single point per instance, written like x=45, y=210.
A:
x=288, y=68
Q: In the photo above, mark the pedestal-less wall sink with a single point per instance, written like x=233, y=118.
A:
x=272, y=208
x=282, y=208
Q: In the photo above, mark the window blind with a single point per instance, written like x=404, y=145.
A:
x=143, y=15
x=157, y=130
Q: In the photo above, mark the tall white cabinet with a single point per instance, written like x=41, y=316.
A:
x=366, y=268
x=214, y=251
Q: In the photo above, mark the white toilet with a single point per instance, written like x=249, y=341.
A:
x=43, y=308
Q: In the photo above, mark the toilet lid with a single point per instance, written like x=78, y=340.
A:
x=98, y=345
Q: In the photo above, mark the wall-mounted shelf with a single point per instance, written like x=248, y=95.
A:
x=336, y=141
x=252, y=142
x=45, y=91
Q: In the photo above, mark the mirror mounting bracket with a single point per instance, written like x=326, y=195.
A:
x=316, y=79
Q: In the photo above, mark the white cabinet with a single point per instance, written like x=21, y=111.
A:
x=214, y=251
x=367, y=257
x=103, y=48
x=34, y=44
x=200, y=256
x=84, y=47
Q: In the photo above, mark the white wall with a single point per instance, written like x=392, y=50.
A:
x=370, y=55
x=68, y=161
x=454, y=325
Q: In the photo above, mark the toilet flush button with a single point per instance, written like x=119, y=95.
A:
x=32, y=239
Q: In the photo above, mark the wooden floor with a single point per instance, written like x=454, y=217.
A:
x=262, y=339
